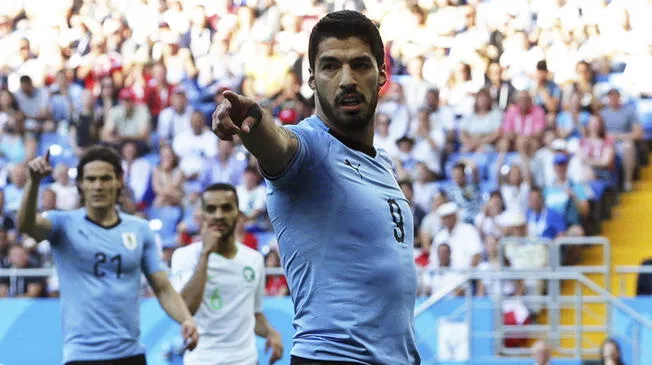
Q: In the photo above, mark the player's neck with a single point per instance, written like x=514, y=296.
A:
x=364, y=136
x=227, y=248
x=103, y=216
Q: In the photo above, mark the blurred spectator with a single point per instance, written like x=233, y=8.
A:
x=252, y=196
x=137, y=171
x=33, y=103
x=8, y=107
x=86, y=124
x=48, y=200
x=572, y=121
x=195, y=142
x=167, y=179
x=395, y=106
x=597, y=150
x=500, y=89
x=275, y=285
x=466, y=194
x=497, y=287
x=430, y=142
x=227, y=167
x=21, y=286
x=487, y=220
x=610, y=353
x=431, y=224
x=541, y=221
x=565, y=197
x=16, y=144
x=622, y=123
x=524, y=119
x=14, y=191
x=515, y=184
x=6, y=219
x=129, y=121
x=66, y=192
x=382, y=137
x=460, y=90
x=545, y=92
x=480, y=130
x=65, y=98
x=463, y=238
x=423, y=187
x=542, y=353
x=175, y=119
x=438, y=276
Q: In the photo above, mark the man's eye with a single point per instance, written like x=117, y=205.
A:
x=328, y=66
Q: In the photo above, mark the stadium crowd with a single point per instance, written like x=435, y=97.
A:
x=505, y=118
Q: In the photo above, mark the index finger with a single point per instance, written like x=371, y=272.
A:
x=47, y=155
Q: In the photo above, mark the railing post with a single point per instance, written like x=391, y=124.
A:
x=468, y=293
x=554, y=306
x=578, y=319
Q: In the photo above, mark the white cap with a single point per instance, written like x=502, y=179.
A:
x=558, y=145
x=511, y=219
x=447, y=209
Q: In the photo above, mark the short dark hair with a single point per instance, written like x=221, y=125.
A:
x=100, y=153
x=25, y=79
x=344, y=24
x=406, y=182
x=221, y=187
x=537, y=190
x=542, y=65
x=459, y=165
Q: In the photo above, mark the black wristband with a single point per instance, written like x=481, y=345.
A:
x=255, y=112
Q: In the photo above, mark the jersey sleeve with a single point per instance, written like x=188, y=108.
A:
x=183, y=266
x=58, y=220
x=151, y=260
x=260, y=290
x=308, y=145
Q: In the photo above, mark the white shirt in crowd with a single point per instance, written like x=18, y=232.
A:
x=232, y=296
x=188, y=144
x=171, y=123
x=67, y=196
x=250, y=200
x=464, y=241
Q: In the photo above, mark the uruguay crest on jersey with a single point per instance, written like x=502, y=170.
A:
x=129, y=240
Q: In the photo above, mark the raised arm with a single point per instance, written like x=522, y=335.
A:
x=29, y=221
x=272, y=145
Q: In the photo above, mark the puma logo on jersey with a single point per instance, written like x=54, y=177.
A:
x=356, y=167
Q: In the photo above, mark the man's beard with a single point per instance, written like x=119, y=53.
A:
x=356, y=123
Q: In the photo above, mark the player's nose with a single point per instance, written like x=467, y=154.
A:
x=347, y=78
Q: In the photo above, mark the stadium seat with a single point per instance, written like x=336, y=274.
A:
x=169, y=217
x=644, y=108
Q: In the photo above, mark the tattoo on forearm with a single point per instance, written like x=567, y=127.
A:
x=288, y=133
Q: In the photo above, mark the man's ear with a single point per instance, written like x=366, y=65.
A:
x=382, y=77
x=311, y=81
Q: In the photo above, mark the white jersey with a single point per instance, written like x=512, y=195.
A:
x=233, y=294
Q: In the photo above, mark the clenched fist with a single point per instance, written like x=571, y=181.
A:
x=40, y=167
x=236, y=114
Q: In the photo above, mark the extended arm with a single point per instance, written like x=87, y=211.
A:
x=170, y=300
x=29, y=221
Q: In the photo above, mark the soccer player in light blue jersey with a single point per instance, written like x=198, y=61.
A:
x=344, y=228
x=99, y=255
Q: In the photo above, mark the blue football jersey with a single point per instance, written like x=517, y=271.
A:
x=345, y=233
x=99, y=271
